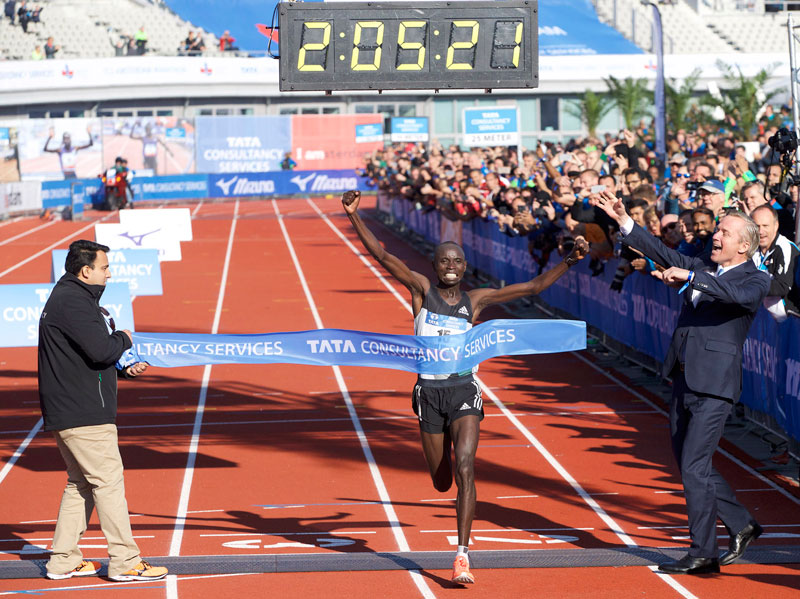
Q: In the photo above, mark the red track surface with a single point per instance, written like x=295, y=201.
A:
x=279, y=464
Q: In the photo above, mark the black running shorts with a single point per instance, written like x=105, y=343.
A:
x=438, y=405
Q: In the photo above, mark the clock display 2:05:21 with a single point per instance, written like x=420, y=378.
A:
x=465, y=36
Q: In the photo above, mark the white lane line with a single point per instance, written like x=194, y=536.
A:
x=52, y=246
x=601, y=513
x=682, y=590
x=18, y=453
x=291, y=533
x=22, y=446
x=556, y=465
x=196, y=208
x=158, y=584
x=11, y=220
x=510, y=530
x=28, y=232
x=377, y=479
x=188, y=474
x=659, y=409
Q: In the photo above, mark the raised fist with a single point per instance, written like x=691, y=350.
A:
x=350, y=200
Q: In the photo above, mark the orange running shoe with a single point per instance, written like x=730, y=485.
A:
x=461, y=573
x=85, y=568
x=142, y=571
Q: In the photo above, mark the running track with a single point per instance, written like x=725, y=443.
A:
x=284, y=459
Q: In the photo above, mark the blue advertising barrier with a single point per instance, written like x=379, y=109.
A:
x=284, y=183
x=59, y=193
x=170, y=187
x=188, y=187
x=643, y=315
x=140, y=269
x=21, y=307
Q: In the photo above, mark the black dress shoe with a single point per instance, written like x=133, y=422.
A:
x=740, y=542
x=691, y=565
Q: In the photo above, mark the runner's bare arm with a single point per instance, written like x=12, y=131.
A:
x=416, y=283
x=484, y=296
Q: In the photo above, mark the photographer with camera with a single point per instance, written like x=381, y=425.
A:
x=781, y=183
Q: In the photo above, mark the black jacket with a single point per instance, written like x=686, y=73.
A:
x=77, y=376
x=713, y=332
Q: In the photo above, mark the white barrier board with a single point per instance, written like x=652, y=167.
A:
x=120, y=237
x=178, y=221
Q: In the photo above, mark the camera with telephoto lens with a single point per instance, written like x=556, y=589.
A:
x=784, y=141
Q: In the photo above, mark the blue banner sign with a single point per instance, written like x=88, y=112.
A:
x=170, y=187
x=369, y=133
x=327, y=347
x=140, y=269
x=643, y=315
x=284, y=183
x=409, y=128
x=491, y=126
x=242, y=144
x=21, y=307
x=59, y=193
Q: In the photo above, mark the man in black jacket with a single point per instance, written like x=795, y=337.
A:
x=723, y=292
x=78, y=397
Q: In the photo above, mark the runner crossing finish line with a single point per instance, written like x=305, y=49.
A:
x=338, y=347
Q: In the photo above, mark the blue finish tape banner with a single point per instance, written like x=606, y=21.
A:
x=328, y=347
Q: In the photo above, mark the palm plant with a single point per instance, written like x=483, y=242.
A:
x=590, y=109
x=631, y=97
x=743, y=97
x=679, y=100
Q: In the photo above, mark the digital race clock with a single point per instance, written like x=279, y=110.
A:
x=400, y=45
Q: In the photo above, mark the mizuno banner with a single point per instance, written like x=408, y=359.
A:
x=328, y=347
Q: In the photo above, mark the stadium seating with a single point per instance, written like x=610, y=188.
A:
x=88, y=28
x=688, y=32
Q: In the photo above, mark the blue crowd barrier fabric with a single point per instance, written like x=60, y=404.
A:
x=327, y=347
x=642, y=316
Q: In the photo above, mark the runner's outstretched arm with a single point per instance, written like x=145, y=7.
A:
x=416, y=283
x=485, y=296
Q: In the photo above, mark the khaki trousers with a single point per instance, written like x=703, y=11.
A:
x=94, y=479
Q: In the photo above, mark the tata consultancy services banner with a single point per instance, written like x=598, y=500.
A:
x=21, y=307
x=242, y=144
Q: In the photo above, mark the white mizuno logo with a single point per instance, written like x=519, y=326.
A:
x=465, y=406
x=302, y=182
x=225, y=186
x=463, y=310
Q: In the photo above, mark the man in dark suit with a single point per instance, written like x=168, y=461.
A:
x=723, y=291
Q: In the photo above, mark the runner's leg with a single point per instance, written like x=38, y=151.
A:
x=465, y=432
x=436, y=447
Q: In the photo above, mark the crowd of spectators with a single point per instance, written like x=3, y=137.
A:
x=543, y=194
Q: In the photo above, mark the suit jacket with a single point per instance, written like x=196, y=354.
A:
x=715, y=330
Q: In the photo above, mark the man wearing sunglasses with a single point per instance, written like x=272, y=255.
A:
x=78, y=350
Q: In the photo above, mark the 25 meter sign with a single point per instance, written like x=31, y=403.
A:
x=400, y=45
